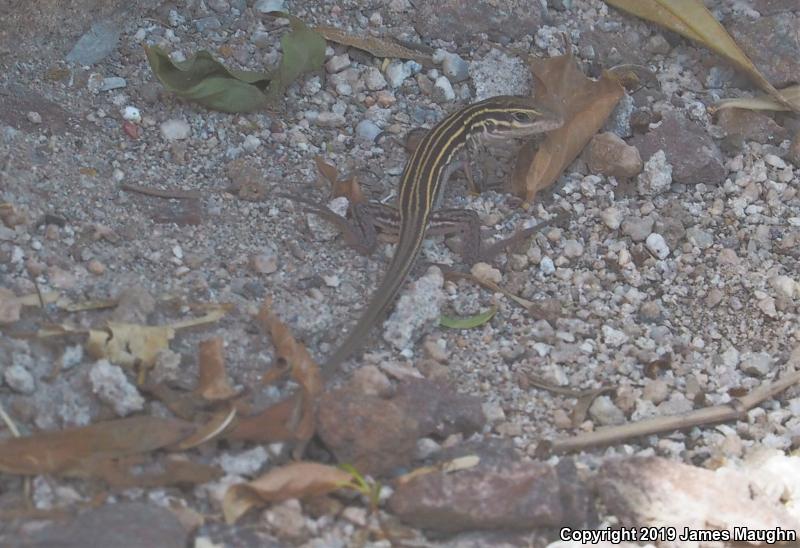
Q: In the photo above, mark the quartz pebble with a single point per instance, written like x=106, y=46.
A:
x=657, y=245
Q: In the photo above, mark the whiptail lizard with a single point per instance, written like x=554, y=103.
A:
x=496, y=119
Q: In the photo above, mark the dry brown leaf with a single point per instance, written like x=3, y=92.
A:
x=213, y=382
x=762, y=102
x=585, y=105
x=692, y=19
x=349, y=188
x=267, y=426
x=129, y=344
x=295, y=480
x=375, y=46
x=216, y=425
x=71, y=451
x=461, y=463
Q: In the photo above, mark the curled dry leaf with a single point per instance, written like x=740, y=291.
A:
x=129, y=344
x=585, y=105
x=349, y=188
x=215, y=427
x=213, y=382
x=295, y=480
x=72, y=451
x=292, y=419
x=762, y=102
x=692, y=19
x=375, y=46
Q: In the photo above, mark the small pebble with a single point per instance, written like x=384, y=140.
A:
x=337, y=63
x=657, y=245
x=330, y=119
x=266, y=6
x=19, y=379
x=132, y=114
x=611, y=217
x=113, y=82
x=374, y=80
x=175, y=130
x=96, y=267
x=396, y=73
x=367, y=130
x=455, y=68
x=34, y=117
x=443, y=90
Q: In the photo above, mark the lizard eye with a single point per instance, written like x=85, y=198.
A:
x=521, y=117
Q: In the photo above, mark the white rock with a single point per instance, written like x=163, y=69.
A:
x=611, y=217
x=546, y=266
x=613, y=337
x=758, y=364
x=337, y=63
x=656, y=177
x=397, y=72
x=785, y=286
x=19, y=379
x=175, y=130
x=132, y=114
x=657, y=245
x=113, y=388
x=251, y=143
x=443, y=90
x=266, y=6
x=374, y=80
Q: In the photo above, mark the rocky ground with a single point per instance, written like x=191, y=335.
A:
x=673, y=280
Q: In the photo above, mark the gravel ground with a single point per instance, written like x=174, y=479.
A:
x=677, y=286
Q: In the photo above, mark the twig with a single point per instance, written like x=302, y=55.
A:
x=160, y=193
x=657, y=425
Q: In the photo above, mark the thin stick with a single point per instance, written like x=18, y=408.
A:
x=159, y=193
x=737, y=409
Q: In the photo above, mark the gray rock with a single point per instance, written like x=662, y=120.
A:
x=175, y=130
x=657, y=245
x=656, y=178
x=691, y=151
x=330, y=119
x=122, y=525
x=604, y=412
x=19, y=379
x=367, y=130
x=461, y=20
x=207, y=23
x=113, y=388
x=501, y=494
x=337, y=63
x=443, y=90
x=374, y=80
x=772, y=44
x=500, y=74
x=637, y=228
x=397, y=72
x=699, y=237
x=113, y=82
x=455, y=68
x=266, y=6
x=758, y=364
x=96, y=44
x=654, y=491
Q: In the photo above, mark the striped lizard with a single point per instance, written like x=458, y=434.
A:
x=496, y=119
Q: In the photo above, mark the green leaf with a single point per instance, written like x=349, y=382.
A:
x=208, y=82
x=303, y=51
x=470, y=321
